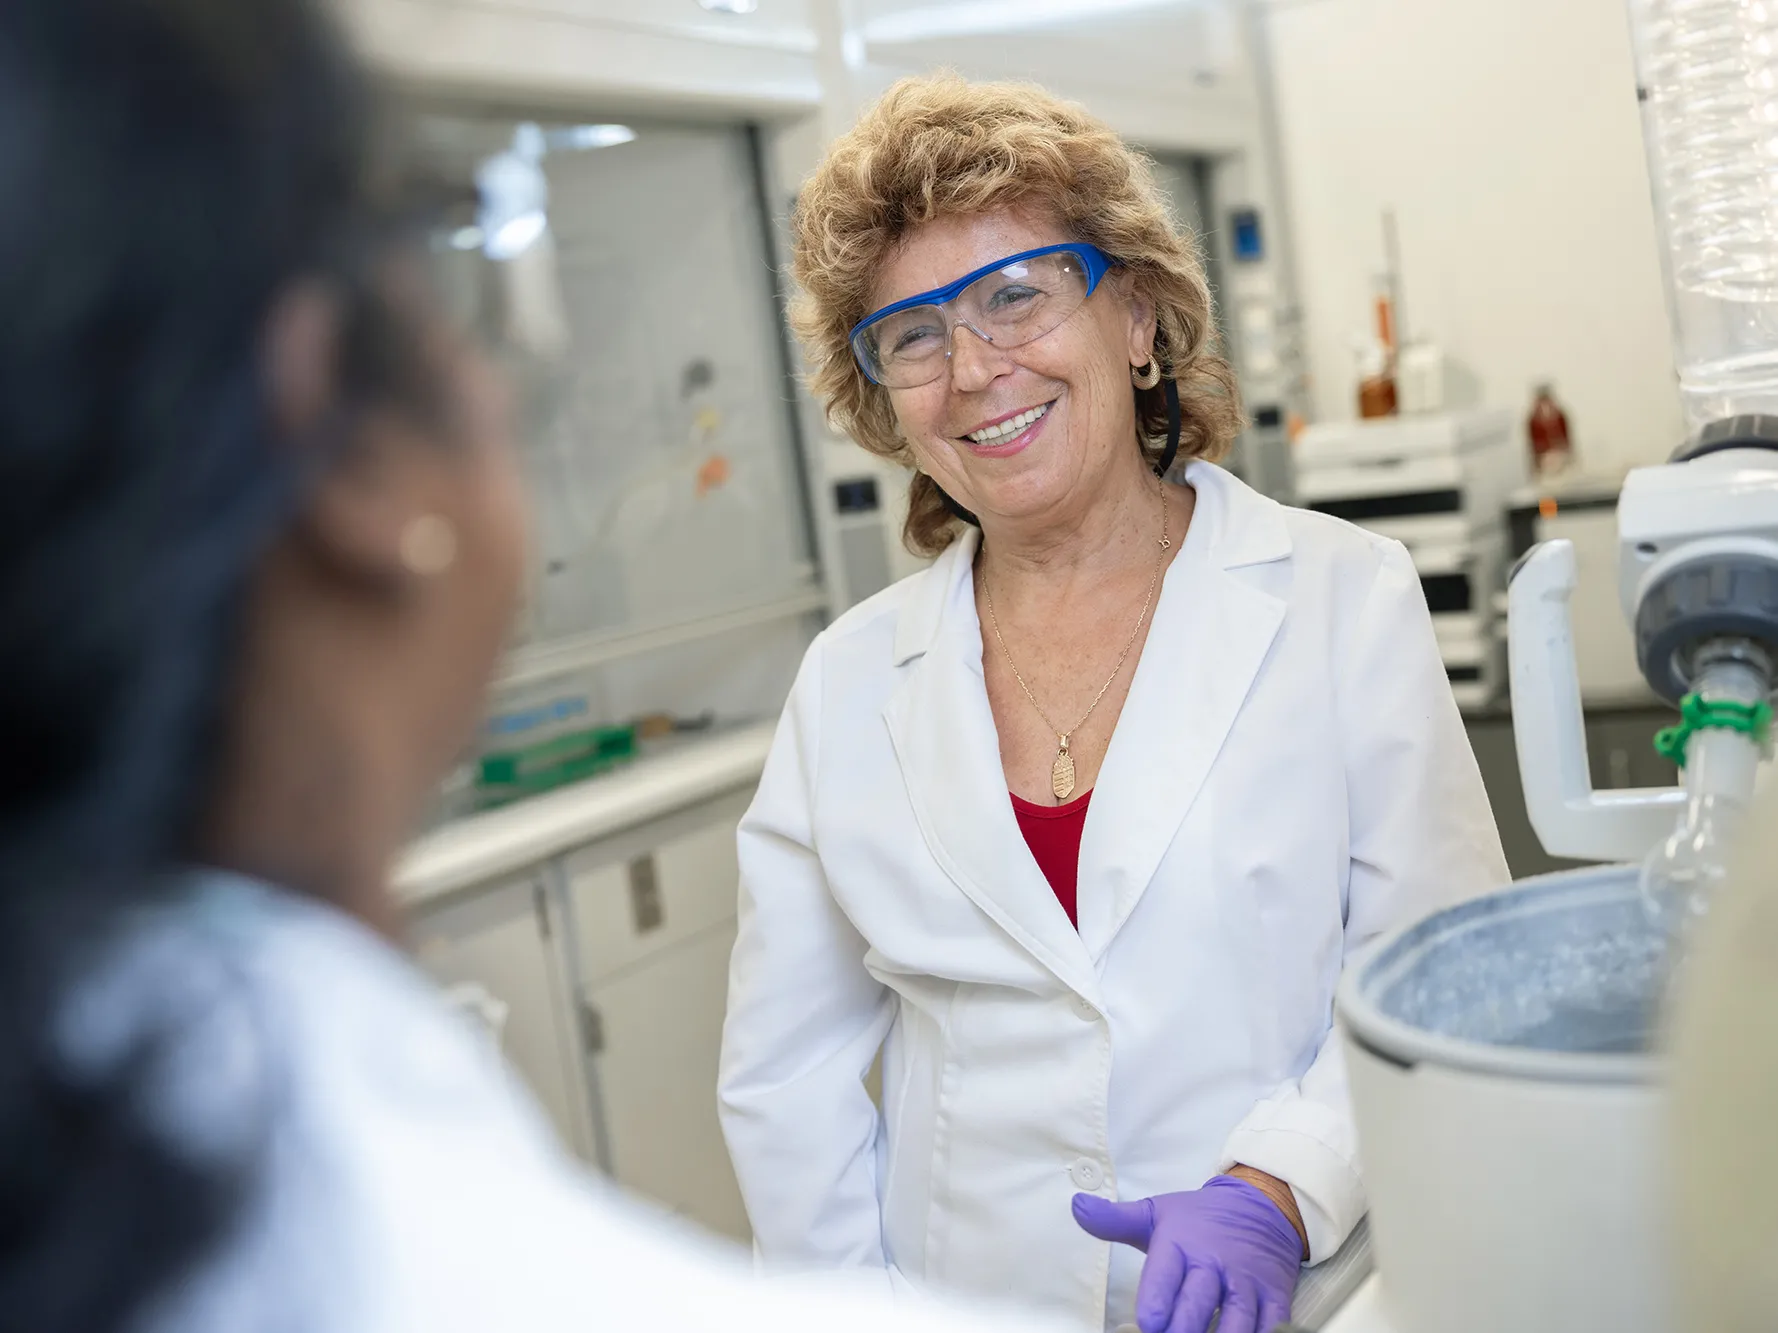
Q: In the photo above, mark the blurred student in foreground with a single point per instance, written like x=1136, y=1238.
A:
x=260, y=535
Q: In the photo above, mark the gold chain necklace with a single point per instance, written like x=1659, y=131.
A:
x=1062, y=771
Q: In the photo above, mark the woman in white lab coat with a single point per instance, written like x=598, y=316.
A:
x=1079, y=825
x=260, y=536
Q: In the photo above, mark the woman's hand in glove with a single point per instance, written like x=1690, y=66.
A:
x=1225, y=1246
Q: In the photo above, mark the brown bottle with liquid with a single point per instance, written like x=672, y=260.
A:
x=1547, y=430
x=1376, y=396
x=1376, y=385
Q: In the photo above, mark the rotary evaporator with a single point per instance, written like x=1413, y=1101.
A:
x=1507, y=1056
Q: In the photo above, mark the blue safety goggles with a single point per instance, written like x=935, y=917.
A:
x=1008, y=303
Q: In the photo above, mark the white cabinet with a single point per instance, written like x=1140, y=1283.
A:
x=652, y=940
x=609, y=957
x=627, y=913
x=503, y=937
x=662, y=1029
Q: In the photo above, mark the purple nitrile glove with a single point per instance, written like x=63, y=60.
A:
x=1226, y=1245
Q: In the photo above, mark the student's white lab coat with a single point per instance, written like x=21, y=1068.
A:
x=400, y=1180
x=1289, y=777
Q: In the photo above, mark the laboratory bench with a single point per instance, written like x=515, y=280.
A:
x=591, y=926
x=669, y=782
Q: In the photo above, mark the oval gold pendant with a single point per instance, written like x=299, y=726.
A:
x=1062, y=774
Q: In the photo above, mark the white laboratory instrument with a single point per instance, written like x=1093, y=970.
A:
x=867, y=530
x=1709, y=102
x=1584, y=512
x=1438, y=484
x=1507, y=1101
x=1510, y=1101
x=1509, y=1114
x=1698, y=582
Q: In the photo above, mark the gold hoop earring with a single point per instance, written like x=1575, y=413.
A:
x=1146, y=377
x=428, y=546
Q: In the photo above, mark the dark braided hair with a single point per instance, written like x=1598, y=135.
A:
x=167, y=168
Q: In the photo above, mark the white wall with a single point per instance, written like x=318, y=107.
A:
x=1505, y=135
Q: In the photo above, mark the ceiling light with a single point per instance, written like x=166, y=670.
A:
x=514, y=202
x=976, y=18
x=515, y=236
x=730, y=6
x=596, y=136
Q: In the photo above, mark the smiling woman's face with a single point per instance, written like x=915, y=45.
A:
x=1071, y=387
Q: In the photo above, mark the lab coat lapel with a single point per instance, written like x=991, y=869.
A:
x=1212, y=630
x=949, y=751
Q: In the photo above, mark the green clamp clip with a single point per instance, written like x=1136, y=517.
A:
x=1698, y=714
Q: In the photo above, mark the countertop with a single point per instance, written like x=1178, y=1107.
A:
x=488, y=847
x=1364, y=1313
x=1637, y=701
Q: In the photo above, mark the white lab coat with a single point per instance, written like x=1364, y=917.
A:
x=1289, y=777
x=402, y=1180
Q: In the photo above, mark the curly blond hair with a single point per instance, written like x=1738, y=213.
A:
x=940, y=146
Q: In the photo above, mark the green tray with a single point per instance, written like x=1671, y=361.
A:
x=509, y=775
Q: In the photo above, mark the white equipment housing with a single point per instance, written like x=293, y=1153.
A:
x=1703, y=521
x=1437, y=484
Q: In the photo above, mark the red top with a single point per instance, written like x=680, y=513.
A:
x=1053, y=834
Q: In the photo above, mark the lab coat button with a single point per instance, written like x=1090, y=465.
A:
x=1087, y=1174
x=1084, y=1007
